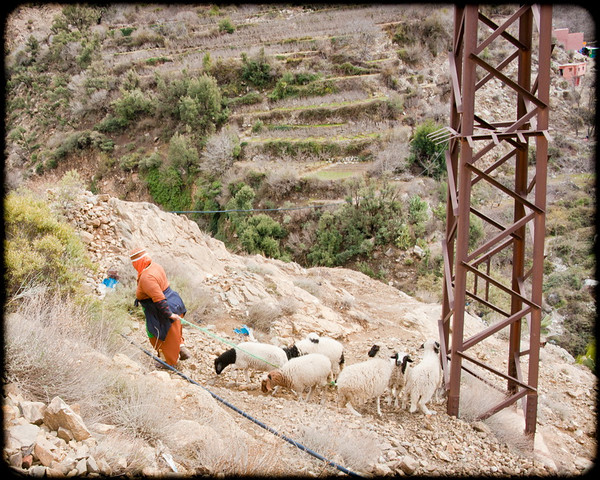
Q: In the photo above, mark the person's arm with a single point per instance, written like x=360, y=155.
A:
x=152, y=288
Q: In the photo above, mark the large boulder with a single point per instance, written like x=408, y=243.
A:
x=58, y=414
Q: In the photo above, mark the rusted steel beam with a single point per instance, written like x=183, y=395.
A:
x=468, y=129
x=501, y=30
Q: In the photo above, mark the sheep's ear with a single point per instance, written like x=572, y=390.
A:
x=405, y=361
x=373, y=351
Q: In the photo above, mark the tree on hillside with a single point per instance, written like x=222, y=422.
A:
x=201, y=107
x=425, y=153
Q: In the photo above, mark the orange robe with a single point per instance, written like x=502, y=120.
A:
x=152, y=283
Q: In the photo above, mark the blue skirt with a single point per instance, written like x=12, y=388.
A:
x=157, y=324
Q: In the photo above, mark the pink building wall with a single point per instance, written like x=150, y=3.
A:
x=572, y=72
x=570, y=41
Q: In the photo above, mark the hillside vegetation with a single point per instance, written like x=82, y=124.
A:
x=63, y=346
x=225, y=109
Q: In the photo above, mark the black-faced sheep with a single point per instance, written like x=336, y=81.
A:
x=251, y=355
x=398, y=376
x=298, y=374
x=362, y=381
x=313, y=343
x=423, y=380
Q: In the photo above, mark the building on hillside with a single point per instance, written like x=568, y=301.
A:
x=572, y=72
x=569, y=41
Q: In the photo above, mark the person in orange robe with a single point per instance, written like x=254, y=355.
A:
x=163, y=308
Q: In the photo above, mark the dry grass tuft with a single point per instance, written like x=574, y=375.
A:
x=46, y=339
x=356, y=449
x=261, y=316
x=507, y=425
x=237, y=457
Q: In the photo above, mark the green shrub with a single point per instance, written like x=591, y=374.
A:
x=328, y=243
x=256, y=71
x=79, y=141
x=301, y=85
x=39, y=248
x=168, y=189
x=476, y=232
x=258, y=126
x=424, y=152
x=182, y=154
x=154, y=160
x=201, y=106
x=251, y=98
x=589, y=358
x=80, y=16
x=127, y=31
x=261, y=234
x=157, y=60
x=417, y=210
x=130, y=161
x=88, y=49
x=347, y=68
x=368, y=218
x=132, y=104
x=404, y=239
x=254, y=233
x=226, y=26
x=205, y=200
x=111, y=124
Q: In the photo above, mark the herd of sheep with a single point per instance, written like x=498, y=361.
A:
x=315, y=362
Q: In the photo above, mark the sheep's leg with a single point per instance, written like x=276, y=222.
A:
x=237, y=375
x=310, y=389
x=395, y=392
x=351, y=409
x=405, y=394
x=439, y=394
x=323, y=395
x=425, y=410
x=413, y=403
x=378, y=407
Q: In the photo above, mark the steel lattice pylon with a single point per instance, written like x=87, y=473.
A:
x=493, y=153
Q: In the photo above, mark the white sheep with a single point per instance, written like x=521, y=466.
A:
x=251, y=355
x=362, y=381
x=398, y=376
x=423, y=380
x=313, y=343
x=307, y=371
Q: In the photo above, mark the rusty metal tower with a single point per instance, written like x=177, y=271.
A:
x=489, y=154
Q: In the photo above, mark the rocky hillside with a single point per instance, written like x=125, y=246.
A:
x=182, y=107
x=198, y=434
x=301, y=104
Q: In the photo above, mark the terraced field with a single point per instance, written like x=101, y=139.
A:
x=346, y=112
